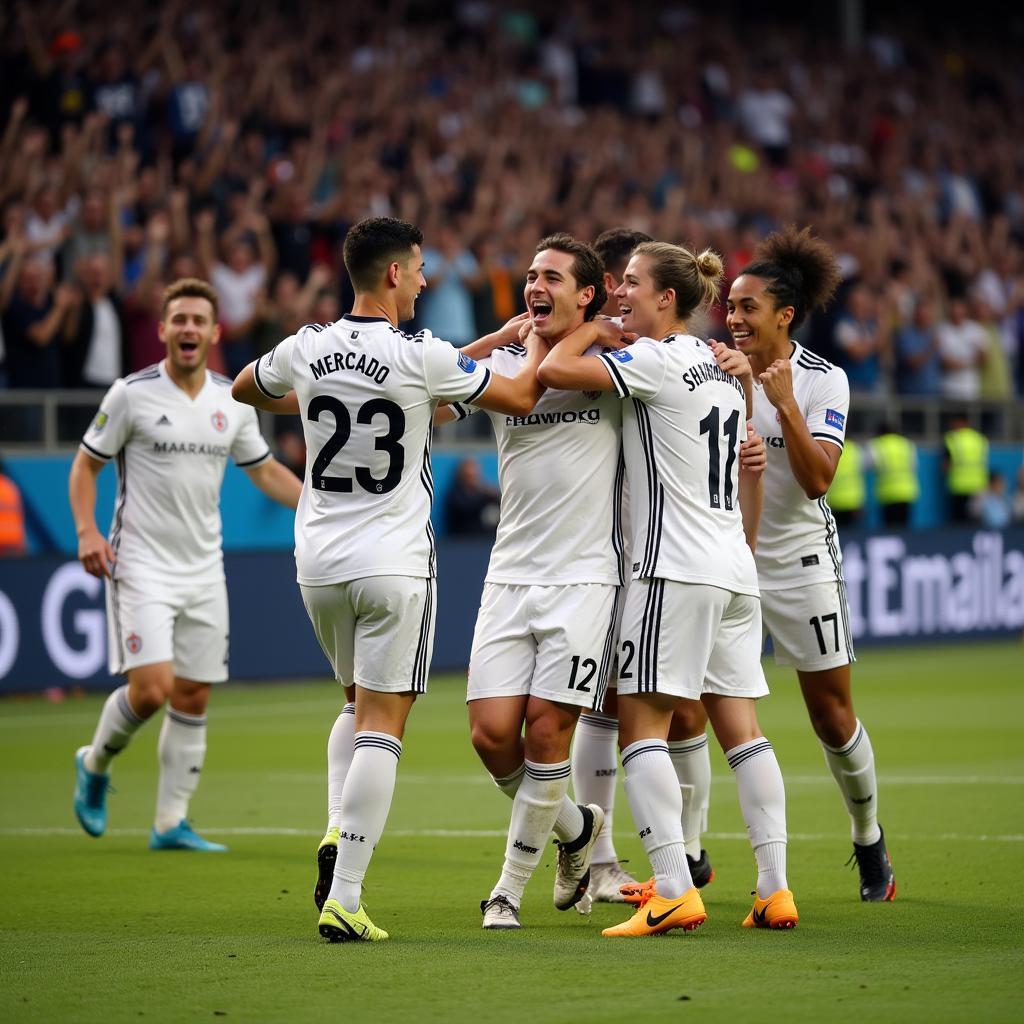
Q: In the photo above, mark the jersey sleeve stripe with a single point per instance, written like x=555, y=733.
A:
x=96, y=452
x=461, y=412
x=620, y=385
x=259, y=383
x=483, y=386
x=254, y=462
x=827, y=437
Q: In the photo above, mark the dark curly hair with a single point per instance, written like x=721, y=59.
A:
x=800, y=270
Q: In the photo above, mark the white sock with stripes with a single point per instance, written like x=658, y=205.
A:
x=853, y=767
x=339, y=758
x=657, y=805
x=763, y=802
x=118, y=723
x=181, y=751
x=692, y=762
x=595, y=762
x=569, y=822
x=365, y=803
x=534, y=810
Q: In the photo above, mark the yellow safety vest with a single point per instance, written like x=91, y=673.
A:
x=968, y=461
x=895, y=461
x=847, y=491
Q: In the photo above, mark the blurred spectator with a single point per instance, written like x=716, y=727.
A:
x=847, y=494
x=98, y=351
x=918, y=369
x=963, y=346
x=471, y=505
x=12, y=517
x=966, y=467
x=446, y=307
x=992, y=507
x=1018, y=497
x=239, y=280
x=995, y=382
x=859, y=340
x=894, y=460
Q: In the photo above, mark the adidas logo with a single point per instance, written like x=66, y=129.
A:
x=163, y=422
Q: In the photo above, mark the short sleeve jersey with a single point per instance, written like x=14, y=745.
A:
x=681, y=427
x=561, y=475
x=171, y=451
x=797, y=541
x=367, y=393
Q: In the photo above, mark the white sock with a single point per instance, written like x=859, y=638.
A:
x=365, y=804
x=569, y=822
x=595, y=762
x=339, y=757
x=118, y=723
x=853, y=767
x=181, y=751
x=763, y=802
x=534, y=810
x=692, y=762
x=657, y=805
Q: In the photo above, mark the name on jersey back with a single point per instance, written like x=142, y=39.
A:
x=357, y=362
x=706, y=373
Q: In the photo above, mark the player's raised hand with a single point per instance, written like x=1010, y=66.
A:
x=512, y=330
x=753, y=453
x=777, y=382
x=731, y=360
x=95, y=554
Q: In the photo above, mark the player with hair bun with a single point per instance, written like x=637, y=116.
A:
x=691, y=628
x=800, y=408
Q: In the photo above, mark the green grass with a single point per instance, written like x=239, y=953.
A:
x=103, y=930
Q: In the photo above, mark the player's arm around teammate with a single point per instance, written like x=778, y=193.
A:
x=695, y=570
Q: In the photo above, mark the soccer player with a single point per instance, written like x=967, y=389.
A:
x=170, y=428
x=364, y=546
x=800, y=406
x=544, y=636
x=691, y=626
x=595, y=753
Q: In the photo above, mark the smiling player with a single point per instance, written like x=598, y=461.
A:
x=171, y=429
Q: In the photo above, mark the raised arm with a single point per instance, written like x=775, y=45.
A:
x=516, y=396
x=568, y=369
x=246, y=390
x=753, y=460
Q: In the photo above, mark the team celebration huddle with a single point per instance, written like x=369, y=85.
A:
x=662, y=511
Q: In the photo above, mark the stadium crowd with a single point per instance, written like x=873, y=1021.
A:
x=142, y=145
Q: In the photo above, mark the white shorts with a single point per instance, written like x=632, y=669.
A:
x=809, y=626
x=687, y=639
x=552, y=642
x=185, y=623
x=377, y=631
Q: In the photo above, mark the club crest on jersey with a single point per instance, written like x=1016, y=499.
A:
x=133, y=642
x=467, y=364
x=219, y=421
x=621, y=355
x=100, y=421
x=834, y=418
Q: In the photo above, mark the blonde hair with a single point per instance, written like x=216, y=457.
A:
x=695, y=278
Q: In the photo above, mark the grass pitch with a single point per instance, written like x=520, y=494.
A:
x=104, y=930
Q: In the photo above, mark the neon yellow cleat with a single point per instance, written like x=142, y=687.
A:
x=338, y=925
x=778, y=911
x=657, y=915
x=326, y=855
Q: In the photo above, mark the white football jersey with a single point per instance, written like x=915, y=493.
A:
x=367, y=393
x=171, y=452
x=681, y=432
x=797, y=541
x=561, y=476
